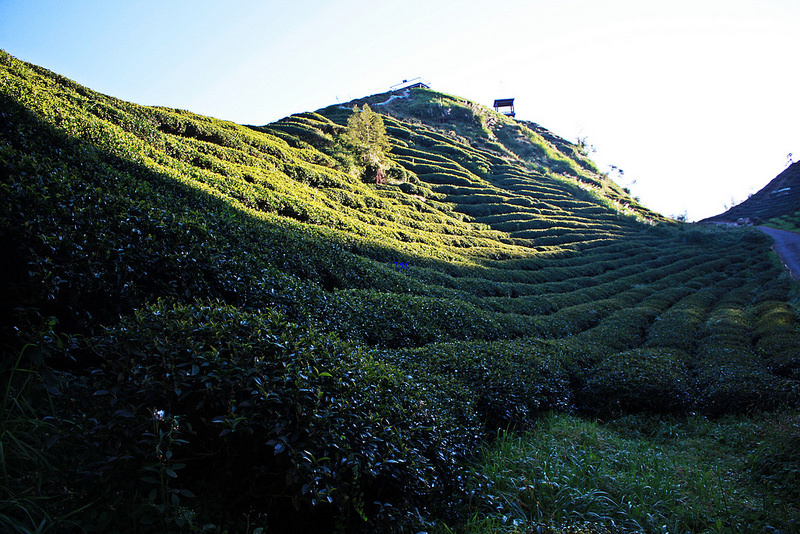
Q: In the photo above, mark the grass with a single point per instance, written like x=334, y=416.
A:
x=634, y=474
x=28, y=440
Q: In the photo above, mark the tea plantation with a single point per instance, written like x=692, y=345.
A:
x=204, y=328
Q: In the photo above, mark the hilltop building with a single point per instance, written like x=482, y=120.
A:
x=507, y=104
x=411, y=84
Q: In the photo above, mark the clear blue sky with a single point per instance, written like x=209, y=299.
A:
x=697, y=100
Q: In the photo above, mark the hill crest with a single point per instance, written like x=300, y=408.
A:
x=780, y=197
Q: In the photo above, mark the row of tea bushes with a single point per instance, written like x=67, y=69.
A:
x=678, y=327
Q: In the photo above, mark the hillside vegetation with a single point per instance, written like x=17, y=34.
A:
x=205, y=327
x=776, y=204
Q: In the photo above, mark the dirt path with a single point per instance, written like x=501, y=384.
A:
x=787, y=245
x=404, y=94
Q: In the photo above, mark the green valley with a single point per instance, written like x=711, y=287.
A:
x=215, y=327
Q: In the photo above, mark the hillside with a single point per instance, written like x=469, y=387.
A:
x=779, y=198
x=204, y=326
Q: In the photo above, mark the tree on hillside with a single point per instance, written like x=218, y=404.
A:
x=366, y=133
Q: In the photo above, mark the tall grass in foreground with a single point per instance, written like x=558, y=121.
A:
x=636, y=474
x=25, y=440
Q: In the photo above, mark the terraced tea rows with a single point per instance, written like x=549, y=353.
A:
x=209, y=316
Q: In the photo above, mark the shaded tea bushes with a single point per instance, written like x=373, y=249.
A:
x=509, y=381
x=654, y=380
x=678, y=326
x=396, y=320
x=251, y=412
x=731, y=377
x=776, y=336
x=628, y=327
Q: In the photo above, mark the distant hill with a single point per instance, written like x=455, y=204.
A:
x=779, y=198
x=209, y=327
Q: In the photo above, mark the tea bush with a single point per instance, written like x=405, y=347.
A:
x=314, y=431
x=733, y=382
x=776, y=337
x=640, y=380
x=510, y=381
x=678, y=326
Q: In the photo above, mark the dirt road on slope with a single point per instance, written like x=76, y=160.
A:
x=787, y=245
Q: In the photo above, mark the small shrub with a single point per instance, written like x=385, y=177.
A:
x=653, y=380
x=511, y=381
x=735, y=383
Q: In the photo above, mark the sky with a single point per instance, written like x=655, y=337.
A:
x=696, y=101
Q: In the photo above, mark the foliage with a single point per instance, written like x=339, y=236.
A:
x=177, y=288
x=641, y=380
x=28, y=441
x=510, y=381
x=776, y=464
x=789, y=221
x=637, y=474
x=182, y=391
x=367, y=134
